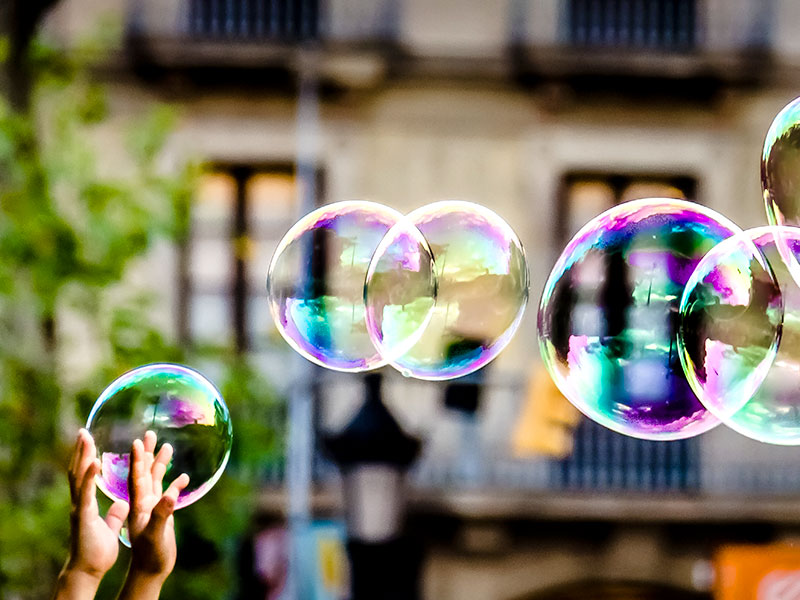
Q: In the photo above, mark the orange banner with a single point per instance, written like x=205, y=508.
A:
x=751, y=572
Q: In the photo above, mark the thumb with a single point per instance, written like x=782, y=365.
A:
x=166, y=506
x=161, y=514
x=116, y=515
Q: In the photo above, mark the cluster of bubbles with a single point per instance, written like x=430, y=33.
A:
x=662, y=319
x=182, y=408
x=352, y=286
x=436, y=294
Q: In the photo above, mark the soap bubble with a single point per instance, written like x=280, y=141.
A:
x=742, y=335
x=780, y=177
x=608, y=318
x=316, y=283
x=400, y=290
x=731, y=312
x=182, y=408
x=481, y=289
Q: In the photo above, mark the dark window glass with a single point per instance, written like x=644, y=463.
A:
x=669, y=25
x=279, y=20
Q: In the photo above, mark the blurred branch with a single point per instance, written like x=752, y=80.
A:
x=68, y=234
x=19, y=22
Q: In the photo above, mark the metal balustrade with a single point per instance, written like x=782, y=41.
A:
x=669, y=25
x=602, y=461
x=289, y=21
x=285, y=20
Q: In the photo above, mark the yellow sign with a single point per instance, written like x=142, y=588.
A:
x=547, y=420
x=332, y=562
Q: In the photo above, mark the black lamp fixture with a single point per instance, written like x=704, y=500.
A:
x=374, y=454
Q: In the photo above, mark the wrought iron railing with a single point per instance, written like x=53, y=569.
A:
x=602, y=461
x=286, y=20
x=669, y=25
x=289, y=21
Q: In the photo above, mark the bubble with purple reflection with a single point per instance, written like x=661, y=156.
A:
x=741, y=335
x=454, y=307
x=315, y=283
x=609, y=316
x=182, y=407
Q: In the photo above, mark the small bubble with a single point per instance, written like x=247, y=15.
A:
x=182, y=408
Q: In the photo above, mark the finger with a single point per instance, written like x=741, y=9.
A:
x=148, y=472
x=150, y=441
x=136, y=475
x=162, y=512
x=86, y=457
x=72, y=472
x=87, y=500
x=160, y=466
x=73, y=460
x=177, y=486
x=116, y=515
x=88, y=444
x=161, y=515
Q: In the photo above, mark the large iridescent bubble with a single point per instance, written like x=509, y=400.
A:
x=609, y=316
x=742, y=335
x=316, y=283
x=780, y=177
x=481, y=289
x=182, y=407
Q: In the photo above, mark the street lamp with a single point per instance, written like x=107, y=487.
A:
x=373, y=454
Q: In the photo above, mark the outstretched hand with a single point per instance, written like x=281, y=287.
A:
x=93, y=539
x=151, y=523
x=94, y=542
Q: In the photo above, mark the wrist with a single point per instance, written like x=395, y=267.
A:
x=78, y=569
x=142, y=585
x=143, y=574
x=78, y=582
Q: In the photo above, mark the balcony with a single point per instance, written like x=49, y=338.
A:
x=252, y=20
x=232, y=40
x=661, y=25
x=646, y=46
x=468, y=469
x=674, y=46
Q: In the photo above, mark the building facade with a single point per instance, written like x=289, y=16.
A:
x=548, y=112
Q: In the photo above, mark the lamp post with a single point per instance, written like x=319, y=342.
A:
x=463, y=396
x=373, y=454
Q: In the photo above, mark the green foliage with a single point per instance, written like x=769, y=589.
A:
x=68, y=234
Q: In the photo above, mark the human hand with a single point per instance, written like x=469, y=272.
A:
x=93, y=540
x=151, y=523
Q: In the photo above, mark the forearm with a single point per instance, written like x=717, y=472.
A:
x=74, y=584
x=141, y=586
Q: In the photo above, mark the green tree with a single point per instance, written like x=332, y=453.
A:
x=68, y=234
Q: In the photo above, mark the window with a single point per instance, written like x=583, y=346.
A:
x=278, y=20
x=602, y=459
x=240, y=214
x=584, y=195
x=669, y=25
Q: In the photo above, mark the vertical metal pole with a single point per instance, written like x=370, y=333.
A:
x=300, y=451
